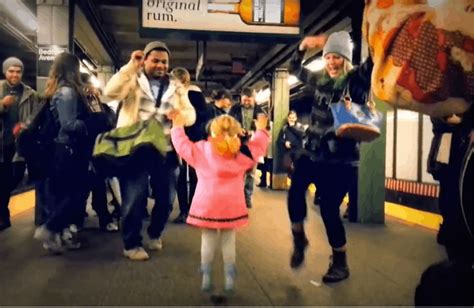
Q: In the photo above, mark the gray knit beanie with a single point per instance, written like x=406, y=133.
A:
x=12, y=61
x=340, y=43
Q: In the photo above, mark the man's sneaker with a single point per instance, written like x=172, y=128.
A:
x=110, y=227
x=155, y=244
x=51, y=241
x=54, y=245
x=70, y=239
x=136, y=254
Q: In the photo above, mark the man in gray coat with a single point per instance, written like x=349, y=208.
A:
x=18, y=104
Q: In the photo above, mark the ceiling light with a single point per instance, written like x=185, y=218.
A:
x=18, y=10
x=263, y=96
x=292, y=80
x=316, y=65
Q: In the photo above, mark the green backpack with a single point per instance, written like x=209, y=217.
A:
x=129, y=146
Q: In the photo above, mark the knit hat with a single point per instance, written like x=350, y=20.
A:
x=155, y=45
x=12, y=61
x=340, y=43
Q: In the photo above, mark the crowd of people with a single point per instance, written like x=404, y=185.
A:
x=208, y=145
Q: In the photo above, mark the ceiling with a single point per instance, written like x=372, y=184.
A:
x=118, y=22
x=107, y=32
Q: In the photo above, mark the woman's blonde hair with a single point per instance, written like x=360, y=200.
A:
x=225, y=135
x=346, y=67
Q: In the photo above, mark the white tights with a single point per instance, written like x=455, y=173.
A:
x=209, y=241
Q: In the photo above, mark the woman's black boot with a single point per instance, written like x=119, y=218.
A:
x=300, y=242
x=338, y=269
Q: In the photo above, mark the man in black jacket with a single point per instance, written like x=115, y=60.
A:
x=246, y=113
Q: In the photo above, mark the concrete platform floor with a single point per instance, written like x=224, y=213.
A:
x=386, y=262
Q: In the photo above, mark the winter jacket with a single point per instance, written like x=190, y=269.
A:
x=236, y=112
x=29, y=105
x=294, y=134
x=320, y=139
x=138, y=102
x=219, y=200
x=197, y=131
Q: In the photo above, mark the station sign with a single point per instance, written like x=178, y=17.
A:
x=220, y=19
x=46, y=55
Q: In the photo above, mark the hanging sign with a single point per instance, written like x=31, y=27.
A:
x=46, y=55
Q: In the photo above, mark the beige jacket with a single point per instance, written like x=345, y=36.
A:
x=133, y=89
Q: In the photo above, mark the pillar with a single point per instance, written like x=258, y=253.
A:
x=281, y=103
x=55, y=29
x=371, y=182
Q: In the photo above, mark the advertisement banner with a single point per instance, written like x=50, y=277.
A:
x=232, y=17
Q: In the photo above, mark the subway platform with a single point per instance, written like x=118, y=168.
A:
x=386, y=262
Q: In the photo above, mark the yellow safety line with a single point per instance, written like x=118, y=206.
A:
x=22, y=202
x=26, y=201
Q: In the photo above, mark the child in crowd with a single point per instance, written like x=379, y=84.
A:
x=218, y=206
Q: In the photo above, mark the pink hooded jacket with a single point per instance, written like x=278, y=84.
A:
x=219, y=201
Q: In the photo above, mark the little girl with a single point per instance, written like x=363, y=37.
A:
x=218, y=206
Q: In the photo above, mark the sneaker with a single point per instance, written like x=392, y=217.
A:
x=54, y=245
x=110, y=227
x=155, y=244
x=70, y=239
x=136, y=254
x=51, y=241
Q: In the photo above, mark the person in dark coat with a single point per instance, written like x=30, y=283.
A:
x=291, y=139
x=328, y=161
x=222, y=101
x=246, y=113
x=195, y=132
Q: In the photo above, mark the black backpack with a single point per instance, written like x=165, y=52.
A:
x=36, y=142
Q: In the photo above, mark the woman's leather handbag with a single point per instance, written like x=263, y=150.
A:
x=355, y=121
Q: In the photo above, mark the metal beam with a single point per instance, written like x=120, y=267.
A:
x=279, y=53
x=90, y=10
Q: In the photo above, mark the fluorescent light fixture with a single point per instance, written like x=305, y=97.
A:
x=17, y=9
x=316, y=65
x=263, y=96
x=292, y=80
x=88, y=64
x=83, y=69
x=95, y=82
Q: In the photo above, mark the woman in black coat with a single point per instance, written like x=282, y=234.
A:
x=328, y=161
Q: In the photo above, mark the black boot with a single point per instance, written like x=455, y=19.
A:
x=300, y=242
x=338, y=269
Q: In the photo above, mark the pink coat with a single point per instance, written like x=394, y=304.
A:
x=219, y=201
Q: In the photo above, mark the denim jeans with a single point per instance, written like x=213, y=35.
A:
x=11, y=174
x=332, y=182
x=64, y=189
x=134, y=190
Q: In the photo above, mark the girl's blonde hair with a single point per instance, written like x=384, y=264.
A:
x=181, y=74
x=225, y=135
